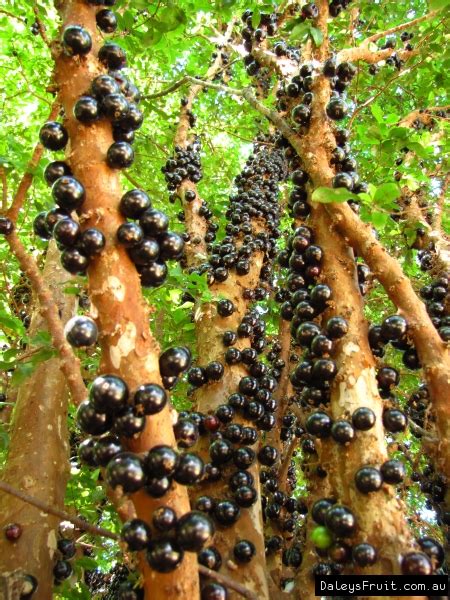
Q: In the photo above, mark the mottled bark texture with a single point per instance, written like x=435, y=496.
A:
x=127, y=345
x=37, y=460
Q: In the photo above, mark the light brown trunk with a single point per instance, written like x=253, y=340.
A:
x=128, y=347
x=37, y=460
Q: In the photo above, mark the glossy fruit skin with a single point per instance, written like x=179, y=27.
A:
x=68, y=193
x=161, y=461
x=174, y=361
x=12, y=531
x=53, y=216
x=393, y=328
x=136, y=534
x=133, y=203
x=105, y=448
x=106, y=20
x=387, y=377
x=40, y=227
x=226, y=513
x=164, y=518
x=368, y=479
x=225, y=308
x=150, y=399
x=6, y=226
x=433, y=549
x=214, y=591
x=342, y=432
x=319, y=424
x=76, y=40
x=114, y=106
x=340, y=520
x=91, y=242
x=66, y=232
x=393, y=471
x=364, y=555
x=210, y=558
x=67, y=548
x=53, y=136
x=336, y=109
x=86, y=452
x=103, y=85
x=336, y=328
x=164, y=555
x=194, y=530
x=120, y=155
x=112, y=56
x=416, y=563
x=154, y=274
x=126, y=470
x=86, y=109
x=62, y=570
x=109, y=394
x=190, y=469
x=363, y=418
x=81, y=331
x=244, y=551
x=394, y=420
x=154, y=222
x=55, y=170
x=171, y=246
x=186, y=433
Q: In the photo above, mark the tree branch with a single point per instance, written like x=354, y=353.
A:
x=70, y=365
x=403, y=26
x=27, y=179
x=80, y=523
x=4, y=203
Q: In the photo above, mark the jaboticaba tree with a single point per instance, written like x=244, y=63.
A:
x=240, y=333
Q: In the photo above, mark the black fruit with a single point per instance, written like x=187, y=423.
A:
x=174, y=361
x=53, y=136
x=76, y=40
x=68, y=193
x=149, y=399
x=363, y=419
x=368, y=479
x=91, y=242
x=112, y=56
x=120, y=155
x=164, y=555
x=133, y=203
x=109, y=394
x=136, y=534
x=336, y=109
x=86, y=109
x=55, y=170
x=189, y=470
x=91, y=421
x=194, y=530
x=244, y=551
x=395, y=420
x=226, y=513
x=393, y=471
x=66, y=232
x=342, y=432
x=340, y=521
x=106, y=20
x=161, y=461
x=364, y=555
x=164, y=518
x=319, y=424
x=416, y=563
x=81, y=331
x=126, y=470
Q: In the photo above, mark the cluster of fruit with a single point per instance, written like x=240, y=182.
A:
x=436, y=296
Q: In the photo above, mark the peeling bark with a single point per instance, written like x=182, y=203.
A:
x=128, y=348
x=37, y=460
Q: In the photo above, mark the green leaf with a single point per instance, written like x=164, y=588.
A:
x=299, y=31
x=437, y=4
x=386, y=193
x=12, y=324
x=326, y=195
x=256, y=18
x=316, y=35
x=377, y=112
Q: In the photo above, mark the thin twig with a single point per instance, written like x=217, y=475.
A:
x=25, y=183
x=11, y=15
x=407, y=25
x=80, y=523
x=41, y=27
x=4, y=204
x=228, y=581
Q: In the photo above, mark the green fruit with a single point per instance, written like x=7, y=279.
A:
x=321, y=537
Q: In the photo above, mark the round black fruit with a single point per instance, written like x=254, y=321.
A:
x=363, y=418
x=368, y=479
x=55, y=170
x=76, y=40
x=53, y=136
x=149, y=399
x=136, y=534
x=86, y=109
x=126, y=470
x=112, y=56
x=244, y=551
x=164, y=555
x=174, y=361
x=109, y=394
x=194, y=530
x=81, y=331
x=133, y=203
x=106, y=20
x=120, y=155
x=68, y=193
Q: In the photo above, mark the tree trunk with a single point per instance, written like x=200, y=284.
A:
x=37, y=461
x=128, y=347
